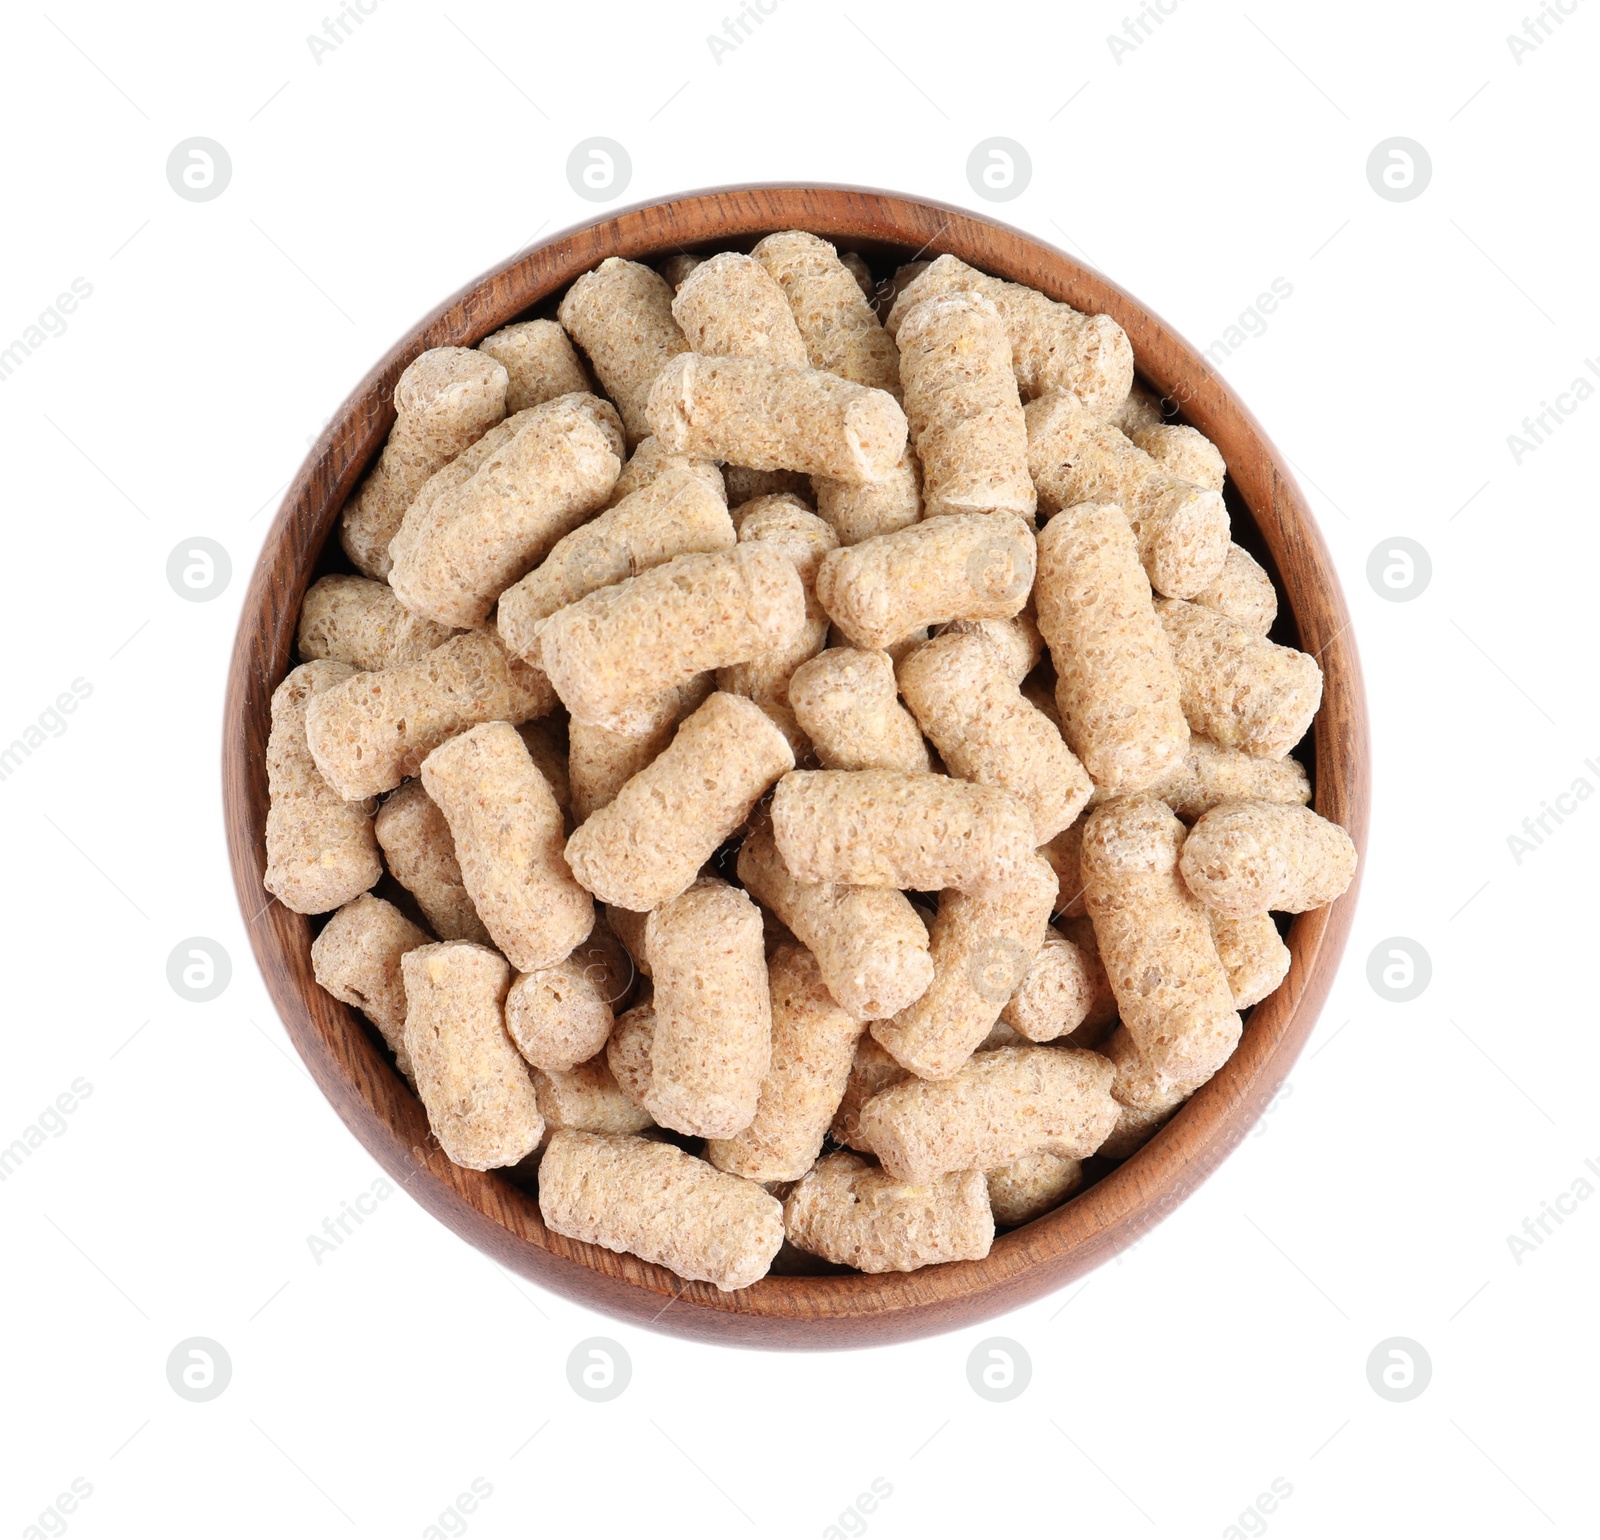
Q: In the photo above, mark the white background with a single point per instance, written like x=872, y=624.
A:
x=1228, y=1348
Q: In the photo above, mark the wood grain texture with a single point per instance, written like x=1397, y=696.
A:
x=842, y=1310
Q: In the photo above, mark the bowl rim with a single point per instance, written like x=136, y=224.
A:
x=791, y=1311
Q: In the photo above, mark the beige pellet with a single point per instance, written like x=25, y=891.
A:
x=973, y=566
x=1243, y=592
x=621, y=316
x=768, y=504
x=1117, y=687
x=831, y=308
x=646, y=846
x=649, y=460
x=1055, y=994
x=869, y=943
x=1063, y=853
x=454, y=558
x=629, y=642
x=848, y=705
x=649, y=1198
x=959, y=691
x=856, y=265
x=1101, y=1016
x=476, y=1087
x=678, y=266
x=678, y=513
x=890, y=828
x=850, y=1212
x=962, y=405
x=1181, y=529
x=873, y=1069
x=1207, y=775
x=588, y=1098
x=1053, y=346
x=1183, y=452
x=1155, y=941
x=446, y=398
x=805, y=540
x=450, y=478
x=1139, y=413
x=356, y=958
x=1239, y=689
x=1244, y=858
x=546, y=743
x=421, y=855
x=540, y=362
x=745, y=484
x=712, y=1043
x=983, y=947
x=1029, y=1188
x=358, y=621
x=321, y=851
x=1252, y=954
x=1004, y=1104
x=1145, y=1096
x=602, y=760
x=628, y=1051
x=858, y=510
x=1015, y=640
x=561, y=1016
x=813, y=1046
x=902, y=279
x=508, y=835
x=730, y=306
x=769, y=417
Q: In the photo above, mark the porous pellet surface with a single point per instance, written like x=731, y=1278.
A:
x=356, y=958
x=1208, y=774
x=847, y=702
x=1243, y=592
x=421, y=855
x=588, y=1098
x=1244, y=858
x=539, y=361
x=730, y=306
x=858, y=510
x=1252, y=954
x=361, y=622
x=1055, y=994
x=873, y=1069
x=1021, y=1192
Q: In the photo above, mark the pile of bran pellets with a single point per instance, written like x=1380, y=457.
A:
x=823, y=750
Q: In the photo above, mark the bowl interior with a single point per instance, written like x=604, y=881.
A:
x=805, y=1302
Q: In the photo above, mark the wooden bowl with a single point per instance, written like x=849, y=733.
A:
x=836, y=1309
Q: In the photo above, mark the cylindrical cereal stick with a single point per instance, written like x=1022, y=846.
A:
x=356, y=958
x=1027, y=1188
x=768, y=417
x=561, y=1016
x=1239, y=689
x=982, y=950
x=1006, y=1103
x=1055, y=994
x=973, y=566
x=678, y=266
x=731, y=307
x=649, y=460
x=846, y=702
x=602, y=760
x=446, y=398
x=769, y=504
x=855, y=264
x=1102, y=1013
x=1155, y=941
x=677, y=513
x=858, y=510
x=1252, y=954
x=1116, y=685
x=546, y=743
x=1141, y=412
x=1053, y=346
x=421, y=855
x=963, y=409
x=1182, y=452
x=1243, y=592
x=508, y=835
x=1145, y=1096
x=813, y=1044
x=1016, y=641
x=646, y=846
x=852, y=1213
x=628, y=1051
x=321, y=850
x=643, y=1196
x=1244, y=858
x=1207, y=775
x=476, y=1087
x=540, y=362
x=360, y=622
x=1181, y=529
x=1063, y=853
x=589, y=1099
x=873, y=1069
x=712, y=1043
x=623, y=644
x=621, y=316
x=890, y=829
x=869, y=943
x=805, y=540
x=958, y=690
x=833, y=313
x=456, y=557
